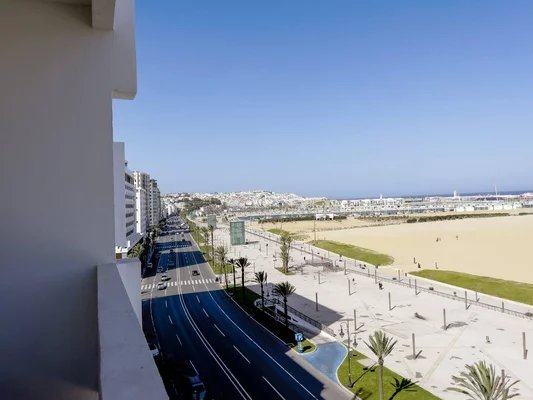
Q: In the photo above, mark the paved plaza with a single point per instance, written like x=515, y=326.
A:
x=473, y=332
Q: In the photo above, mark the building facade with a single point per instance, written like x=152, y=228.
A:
x=142, y=199
x=141, y=207
x=126, y=234
x=73, y=326
x=154, y=203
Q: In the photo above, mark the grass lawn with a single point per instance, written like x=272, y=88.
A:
x=277, y=231
x=280, y=269
x=355, y=252
x=277, y=328
x=517, y=291
x=366, y=382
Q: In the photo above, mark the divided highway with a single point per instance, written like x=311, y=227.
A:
x=201, y=331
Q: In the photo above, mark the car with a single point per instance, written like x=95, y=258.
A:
x=165, y=277
x=153, y=349
x=198, y=387
x=190, y=386
x=162, y=286
x=195, y=273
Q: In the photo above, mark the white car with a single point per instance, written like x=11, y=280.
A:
x=161, y=286
x=165, y=277
x=153, y=349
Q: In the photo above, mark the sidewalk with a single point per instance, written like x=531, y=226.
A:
x=443, y=352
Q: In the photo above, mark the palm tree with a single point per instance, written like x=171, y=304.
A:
x=242, y=263
x=381, y=345
x=402, y=385
x=211, y=229
x=284, y=289
x=231, y=261
x=261, y=278
x=286, y=241
x=221, y=253
x=205, y=233
x=480, y=382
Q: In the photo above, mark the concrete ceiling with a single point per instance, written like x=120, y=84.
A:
x=74, y=2
x=103, y=11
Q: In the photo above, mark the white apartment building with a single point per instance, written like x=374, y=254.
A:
x=142, y=200
x=72, y=326
x=141, y=207
x=154, y=203
x=126, y=235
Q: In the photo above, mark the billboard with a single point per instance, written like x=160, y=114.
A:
x=237, y=233
x=212, y=220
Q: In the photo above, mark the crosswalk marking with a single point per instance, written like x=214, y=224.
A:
x=182, y=283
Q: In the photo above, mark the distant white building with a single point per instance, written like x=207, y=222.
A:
x=142, y=183
x=124, y=202
x=154, y=203
x=141, y=207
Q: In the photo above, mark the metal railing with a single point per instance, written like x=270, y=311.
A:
x=503, y=309
x=421, y=288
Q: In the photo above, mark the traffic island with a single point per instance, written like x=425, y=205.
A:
x=268, y=321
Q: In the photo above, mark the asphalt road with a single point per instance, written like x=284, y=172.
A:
x=200, y=328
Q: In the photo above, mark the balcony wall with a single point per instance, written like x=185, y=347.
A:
x=127, y=368
x=57, y=75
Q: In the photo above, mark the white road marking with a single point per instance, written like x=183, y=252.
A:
x=179, y=340
x=170, y=319
x=272, y=386
x=195, y=370
x=205, y=312
x=197, y=298
x=238, y=351
x=222, y=333
x=256, y=344
x=234, y=381
x=166, y=304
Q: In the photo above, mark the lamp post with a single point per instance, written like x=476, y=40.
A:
x=341, y=334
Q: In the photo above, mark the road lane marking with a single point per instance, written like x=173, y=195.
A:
x=222, y=333
x=254, y=342
x=170, y=319
x=197, y=298
x=238, y=351
x=205, y=312
x=231, y=377
x=166, y=304
x=179, y=340
x=272, y=386
x=195, y=370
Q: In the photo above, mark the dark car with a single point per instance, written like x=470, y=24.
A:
x=195, y=273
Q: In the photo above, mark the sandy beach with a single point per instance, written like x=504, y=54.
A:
x=498, y=247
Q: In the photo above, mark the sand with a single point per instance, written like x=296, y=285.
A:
x=499, y=247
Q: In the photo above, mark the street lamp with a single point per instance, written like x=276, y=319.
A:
x=341, y=334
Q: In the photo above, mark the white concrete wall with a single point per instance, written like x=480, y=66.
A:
x=130, y=274
x=56, y=177
x=127, y=368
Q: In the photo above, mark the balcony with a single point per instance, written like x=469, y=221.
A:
x=127, y=368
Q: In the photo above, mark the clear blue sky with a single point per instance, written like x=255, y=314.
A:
x=337, y=98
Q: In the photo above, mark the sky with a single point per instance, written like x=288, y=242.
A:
x=336, y=98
